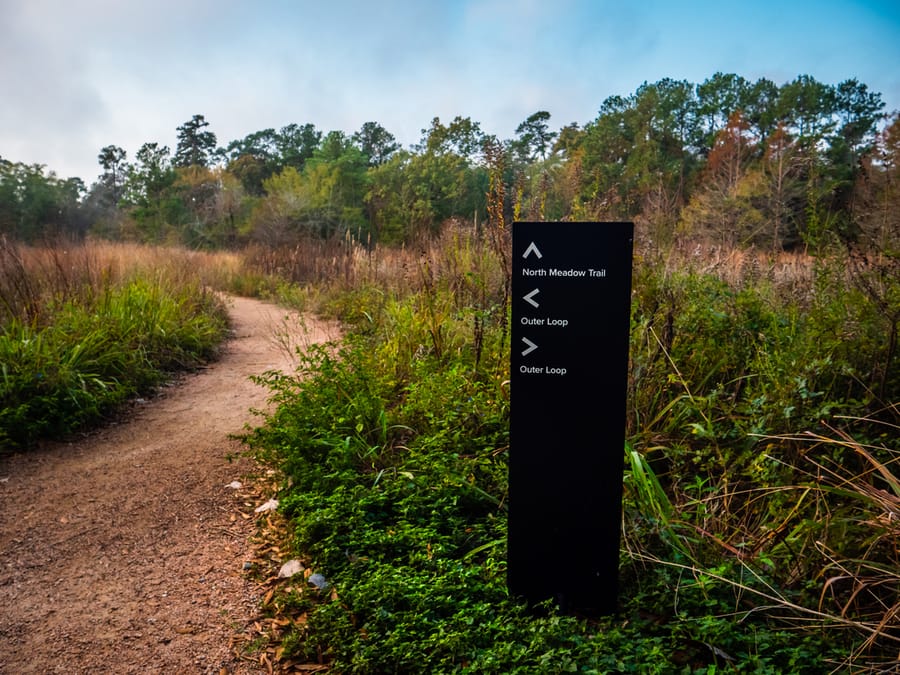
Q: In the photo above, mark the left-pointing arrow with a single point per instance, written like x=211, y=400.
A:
x=530, y=346
x=529, y=298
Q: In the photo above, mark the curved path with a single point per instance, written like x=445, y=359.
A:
x=122, y=552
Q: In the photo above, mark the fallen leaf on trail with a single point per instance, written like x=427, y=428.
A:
x=290, y=568
x=270, y=505
x=268, y=598
x=235, y=485
x=318, y=581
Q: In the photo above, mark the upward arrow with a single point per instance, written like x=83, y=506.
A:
x=532, y=249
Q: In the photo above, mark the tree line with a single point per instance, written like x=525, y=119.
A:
x=729, y=161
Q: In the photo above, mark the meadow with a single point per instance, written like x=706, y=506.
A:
x=84, y=328
x=762, y=494
x=761, y=485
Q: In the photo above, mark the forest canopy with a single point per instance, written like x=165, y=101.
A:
x=727, y=161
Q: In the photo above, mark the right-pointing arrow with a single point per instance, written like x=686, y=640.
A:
x=530, y=346
x=529, y=298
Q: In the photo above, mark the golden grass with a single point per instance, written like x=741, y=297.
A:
x=32, y=276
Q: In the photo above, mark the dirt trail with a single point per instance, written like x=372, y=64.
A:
x=120, y=552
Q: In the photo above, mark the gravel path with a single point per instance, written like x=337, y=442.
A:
x=122, y=551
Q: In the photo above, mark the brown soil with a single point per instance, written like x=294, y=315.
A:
x=123, y=551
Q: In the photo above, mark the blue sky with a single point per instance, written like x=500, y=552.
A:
x=76, y=76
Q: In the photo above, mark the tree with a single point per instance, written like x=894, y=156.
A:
x=262, y=144
x=195, y=146
x=35, y=204
x=461, y=137
x=412, y=194
x=640, y=153
x=534, y=137
x=150, y=190
x=336, y=177
x=253, y=159
x=673, y=114
x=277, y=219
x=151, y=175
x=857, y=112
x=877, y=195
x=727, y=207
x=782, y=167
x=717, y=98
x=759, y=107
x=112, y=160
x=731, y=152
x=806, y=107
x=568, y=139
x=325, y=198
x=668, y=140
x=607, y=145
x=376, y=143
x=296, y=144
x=229, y=204
x=875, y=267
x=9, y=197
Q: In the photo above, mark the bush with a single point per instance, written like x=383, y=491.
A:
x=90, y=356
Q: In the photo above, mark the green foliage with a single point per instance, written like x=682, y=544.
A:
x=393, y=445
x=35, y=203
x=412, y=194
x=89, y=358
x=397, y=497
x=714, y=365
x=195, y=146
x=737, y=161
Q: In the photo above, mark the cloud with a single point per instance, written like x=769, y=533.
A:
x=48, y=99
x=78, y=76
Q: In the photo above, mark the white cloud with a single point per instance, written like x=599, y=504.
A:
x=78, y=76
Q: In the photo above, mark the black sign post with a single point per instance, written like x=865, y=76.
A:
x=570, y=323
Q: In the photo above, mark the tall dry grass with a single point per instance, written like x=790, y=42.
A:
x=35, y=278
x=85, y=326
x=345, y=264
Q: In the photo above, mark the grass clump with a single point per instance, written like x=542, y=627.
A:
x=75, y=346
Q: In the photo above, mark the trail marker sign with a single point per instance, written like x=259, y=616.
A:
x=571, y=302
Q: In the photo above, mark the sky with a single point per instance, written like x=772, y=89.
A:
x=76, y=76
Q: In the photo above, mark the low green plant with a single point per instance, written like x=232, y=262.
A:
x=396, y=489
x=90, y=357
x=394, y=447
